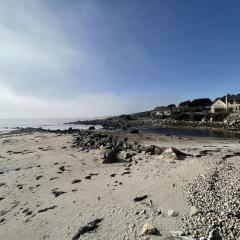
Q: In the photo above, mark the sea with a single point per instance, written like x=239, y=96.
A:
x=8, y=125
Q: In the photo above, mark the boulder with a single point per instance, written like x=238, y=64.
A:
x=158, y=151
x=91, y=128
x=149, y=229
x=149, y=149
x=172, y=154
x=108, y=156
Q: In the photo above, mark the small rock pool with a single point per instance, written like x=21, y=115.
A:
x=192, y=132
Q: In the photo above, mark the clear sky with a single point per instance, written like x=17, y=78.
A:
x=69, y=58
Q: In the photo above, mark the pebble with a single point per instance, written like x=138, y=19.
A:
x=149, y=229
x=172, y=213
x=214, y=198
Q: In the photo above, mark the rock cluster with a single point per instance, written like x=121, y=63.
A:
x=215, y=201
x=87, y=140
x=112, y=147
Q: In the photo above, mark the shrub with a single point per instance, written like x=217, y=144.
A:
x=218, y=116
x=195, y=117
x=181, y=116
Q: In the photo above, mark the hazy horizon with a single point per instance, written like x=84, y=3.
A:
x=83, y=59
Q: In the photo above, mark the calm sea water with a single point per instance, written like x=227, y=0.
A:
x=191, y=132
x=7, y=125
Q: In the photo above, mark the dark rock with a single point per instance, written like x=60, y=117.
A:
x=76, y=181
x=62, y=168
x=138, y=199
x=151, y=149
x=46, y=209
x=108, y=156
x=2, y=220
x=134, y=131
x=214, y=235
x=57, y=193
x=91, y=226
x=158, y=150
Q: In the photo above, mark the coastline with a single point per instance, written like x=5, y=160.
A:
x=136, y=121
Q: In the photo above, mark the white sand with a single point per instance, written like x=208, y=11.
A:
x=102, y=196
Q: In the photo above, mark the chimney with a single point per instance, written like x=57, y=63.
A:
x=226, y=103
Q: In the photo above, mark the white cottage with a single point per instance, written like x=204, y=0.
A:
x=220, y=106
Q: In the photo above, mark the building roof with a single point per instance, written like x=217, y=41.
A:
x=217, y=100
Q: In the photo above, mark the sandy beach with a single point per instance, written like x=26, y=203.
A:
x=49, y=190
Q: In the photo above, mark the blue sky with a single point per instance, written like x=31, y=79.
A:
x=66, y=58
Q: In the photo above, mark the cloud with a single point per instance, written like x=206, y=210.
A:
x=13, y=105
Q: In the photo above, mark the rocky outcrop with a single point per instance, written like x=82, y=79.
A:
x=112, y=148
x=87, y=140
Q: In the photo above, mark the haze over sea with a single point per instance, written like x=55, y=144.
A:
x=7, y=125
